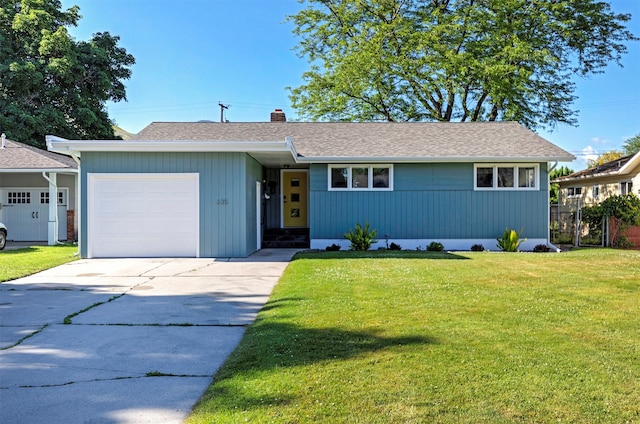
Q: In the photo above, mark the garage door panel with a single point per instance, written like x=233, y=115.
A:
x=143, y=215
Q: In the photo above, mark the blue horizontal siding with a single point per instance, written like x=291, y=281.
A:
x=223, y=176
x=429, y=201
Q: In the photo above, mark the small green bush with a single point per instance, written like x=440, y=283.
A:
x=434, y=246
x=510, y=240
x=477, y=248
x=333, y=248
x=361, y=238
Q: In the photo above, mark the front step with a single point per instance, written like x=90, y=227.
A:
x=285, y=238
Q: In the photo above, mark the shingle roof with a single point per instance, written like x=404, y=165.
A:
x=606, y=169
x=16, y=156
x=428, y=140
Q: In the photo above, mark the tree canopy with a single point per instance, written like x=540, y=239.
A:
x=445, y=60
x=605, y=157
x=632, y=146
x=555, y=187
x=49, y=82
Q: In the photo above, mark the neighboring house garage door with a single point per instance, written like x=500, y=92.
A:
x=25, y=212
x=142, y=215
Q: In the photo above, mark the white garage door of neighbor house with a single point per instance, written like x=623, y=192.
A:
x=143, y=215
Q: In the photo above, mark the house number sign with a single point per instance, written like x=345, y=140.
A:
x=223, y=201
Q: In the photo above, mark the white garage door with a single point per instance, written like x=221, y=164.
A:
x=142, y=215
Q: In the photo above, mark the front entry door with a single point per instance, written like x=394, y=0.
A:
x=294, y=198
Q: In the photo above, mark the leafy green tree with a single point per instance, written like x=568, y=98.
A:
x=445, y=60
x=632, y=146
x=49, y=82
x=555, y=187
x=624, y=208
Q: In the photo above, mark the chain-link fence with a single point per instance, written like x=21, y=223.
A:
x=567, y=227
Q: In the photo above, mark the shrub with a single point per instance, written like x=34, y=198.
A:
x=434, y=246
x=541, y=248
x=510, y=240
x=394, y=246
x=361, y=238
x=333, y=248
x=477, y=248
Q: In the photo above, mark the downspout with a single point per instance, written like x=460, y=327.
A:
x=549, y=206
x=78, y=200
x=53, y=203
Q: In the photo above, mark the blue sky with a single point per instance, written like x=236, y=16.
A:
x=192, y=54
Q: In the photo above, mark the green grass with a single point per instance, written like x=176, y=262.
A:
x=395, y=337
x=22, y=262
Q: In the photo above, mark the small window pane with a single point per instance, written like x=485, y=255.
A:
x=505, y=177
x=360, y=177
x=578, y=191
x=381, y=177
x=339, y=177
x=526, y=177
x=484, y=177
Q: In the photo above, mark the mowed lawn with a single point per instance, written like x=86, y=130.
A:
x=447, y=338
x=22, y=262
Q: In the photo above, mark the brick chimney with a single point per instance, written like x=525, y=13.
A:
x=278, y=116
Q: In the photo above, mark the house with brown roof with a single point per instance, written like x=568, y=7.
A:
x=29, y=177
x=204, y=189
x=593, y=185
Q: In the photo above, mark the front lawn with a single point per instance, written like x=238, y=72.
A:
x=22, y=262
x=449, y=338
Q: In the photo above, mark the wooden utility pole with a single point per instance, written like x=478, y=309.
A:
x=222, y=108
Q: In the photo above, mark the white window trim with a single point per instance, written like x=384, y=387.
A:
x=628, y=185
x=370, y=176
x=495, y=166
x=574, y=191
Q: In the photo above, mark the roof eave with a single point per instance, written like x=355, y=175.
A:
x=39, y=170
x=63, y=146
x=433, y=159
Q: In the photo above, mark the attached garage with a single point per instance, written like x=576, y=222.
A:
x=143, y=215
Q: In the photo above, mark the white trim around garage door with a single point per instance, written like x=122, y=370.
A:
x=143, y=215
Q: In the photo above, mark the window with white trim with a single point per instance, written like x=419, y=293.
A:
x=44, y=198
x=18, y=197
x=595, y=192
x=360, y=177
x=626, y=187
x=506, y=176
x=574, y=191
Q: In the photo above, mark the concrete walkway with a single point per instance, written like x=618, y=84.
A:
x=125, y=340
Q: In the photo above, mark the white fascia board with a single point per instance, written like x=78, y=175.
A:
x=39, y=170
x=635, y=160
x=60, y=145
x=474, y=159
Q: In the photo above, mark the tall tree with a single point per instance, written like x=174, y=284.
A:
x=605, y=157
x=444, y=60
x=49, y=82
x=632, y=146
x=555, y=187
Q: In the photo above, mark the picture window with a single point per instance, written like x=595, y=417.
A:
x=360, y=177
x=506, y=177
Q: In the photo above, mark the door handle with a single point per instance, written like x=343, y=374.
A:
x=34, y=215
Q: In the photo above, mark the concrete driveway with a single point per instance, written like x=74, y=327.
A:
x=125, y=340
